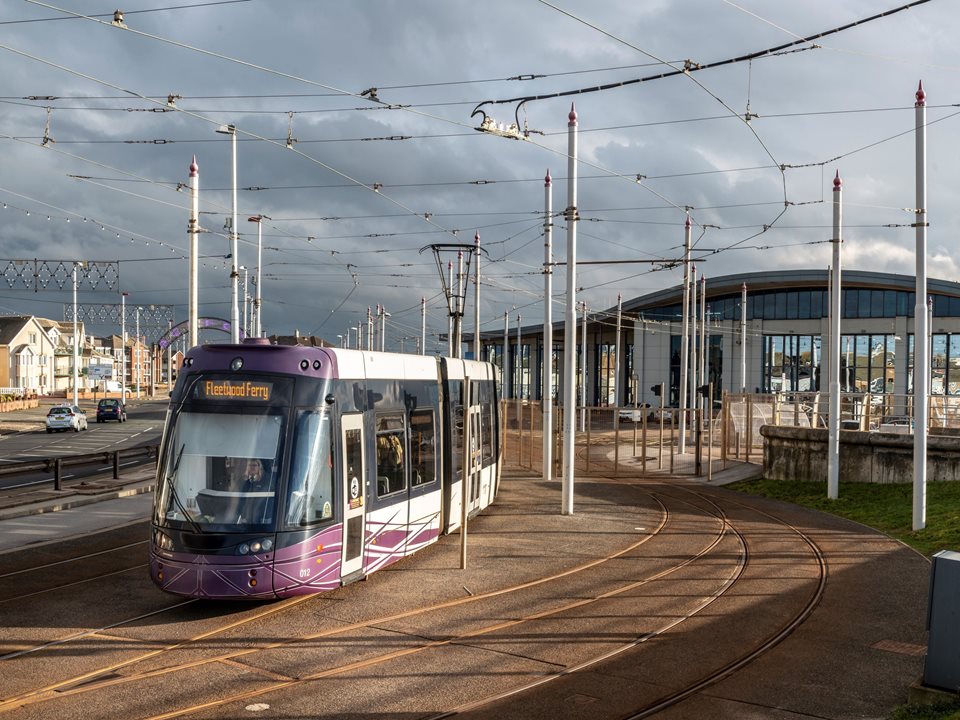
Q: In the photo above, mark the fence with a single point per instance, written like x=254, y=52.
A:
x=696, y=442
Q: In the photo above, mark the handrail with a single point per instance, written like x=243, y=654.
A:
x=56, y=465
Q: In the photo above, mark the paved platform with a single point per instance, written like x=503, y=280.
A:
x=855, y=656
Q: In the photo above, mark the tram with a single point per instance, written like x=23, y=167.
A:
x=285, y=470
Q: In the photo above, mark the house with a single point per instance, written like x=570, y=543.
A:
x=61, y=333
x=27, y=355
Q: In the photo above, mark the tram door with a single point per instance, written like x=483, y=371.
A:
x=353, y=494
x=473, y=475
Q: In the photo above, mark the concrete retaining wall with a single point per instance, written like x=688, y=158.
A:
x=792, y=453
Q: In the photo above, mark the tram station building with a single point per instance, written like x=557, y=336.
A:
x=780, y=347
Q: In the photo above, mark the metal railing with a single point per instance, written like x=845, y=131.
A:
x=644, y=440
x=56, y=465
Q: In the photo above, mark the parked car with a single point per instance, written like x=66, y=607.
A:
x=66, y=417
x=108, y=409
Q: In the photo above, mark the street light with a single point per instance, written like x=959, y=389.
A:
x=243, y=314
x=231, y=130
x=258, y=219
x=138, y=352
x=76, y=337
x=123, y=345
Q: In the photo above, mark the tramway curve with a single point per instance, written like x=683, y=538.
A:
x=423, y=622
x=89, y=679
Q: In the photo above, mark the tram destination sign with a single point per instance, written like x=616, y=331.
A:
x=231, y=390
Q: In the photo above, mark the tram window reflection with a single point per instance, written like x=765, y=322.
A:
x=311, y=469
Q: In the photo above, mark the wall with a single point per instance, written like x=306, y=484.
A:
x=8, y=405
x=801, y=454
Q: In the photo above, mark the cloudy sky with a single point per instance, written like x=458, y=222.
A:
x=364, y=184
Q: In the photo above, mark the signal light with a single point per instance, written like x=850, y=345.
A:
x=657, y=389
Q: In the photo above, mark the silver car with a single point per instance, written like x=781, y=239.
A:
x=66, y=417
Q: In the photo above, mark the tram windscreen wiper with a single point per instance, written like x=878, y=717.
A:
x=172, y=484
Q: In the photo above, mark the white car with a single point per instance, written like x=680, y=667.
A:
x=66, y=417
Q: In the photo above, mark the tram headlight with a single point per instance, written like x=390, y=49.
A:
x=162, y=540
x=255, y=546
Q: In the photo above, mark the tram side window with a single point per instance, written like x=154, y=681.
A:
x=423, y=447
x=311, y=469
x=487, y=408
x=391, y=465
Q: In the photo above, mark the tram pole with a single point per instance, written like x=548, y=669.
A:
x=684, y=332
x=921, y=363
x=464, y=476
x=476, y=297
x=570, y=321
x=547, y=393
x=833, y=433
x=193, y=231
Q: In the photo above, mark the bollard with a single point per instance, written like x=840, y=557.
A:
x=709, y=450
x=57, y=471
x=589, y=416
x=616, y=440
x=643, y=461
x=698, y=445
x=519, y=439
x=116, y=464
x=669, y=446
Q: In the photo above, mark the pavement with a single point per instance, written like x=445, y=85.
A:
x=860, y=650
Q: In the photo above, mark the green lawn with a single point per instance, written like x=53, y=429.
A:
x=888, y=508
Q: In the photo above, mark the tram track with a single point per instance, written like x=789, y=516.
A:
x=464, y=639
x=460, y=639
x=105, y=678
x=690, y=688
x=88, y=681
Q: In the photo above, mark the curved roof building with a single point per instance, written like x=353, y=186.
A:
x=776, y=346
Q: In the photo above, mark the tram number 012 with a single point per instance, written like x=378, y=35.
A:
x=304, y=572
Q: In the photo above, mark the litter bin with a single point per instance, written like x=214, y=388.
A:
x=941, y=668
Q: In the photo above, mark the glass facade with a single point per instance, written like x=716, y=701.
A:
x=813, y=304
x=714, y=369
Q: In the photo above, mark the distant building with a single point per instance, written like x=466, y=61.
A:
x=26, y=355
x=781, y=346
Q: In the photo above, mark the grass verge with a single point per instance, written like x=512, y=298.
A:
x=888, y=508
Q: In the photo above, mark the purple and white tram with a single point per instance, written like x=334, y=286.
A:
x=287, y=470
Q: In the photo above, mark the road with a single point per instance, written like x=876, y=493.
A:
x=31, y=442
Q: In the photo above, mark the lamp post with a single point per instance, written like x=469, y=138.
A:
x=258, y=219
x=76, y=336
x=231, y=130
x=138, y=366
x=123, y=346
x=193, y=231
x=245, y=322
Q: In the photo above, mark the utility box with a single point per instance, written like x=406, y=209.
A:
x=941, y=669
